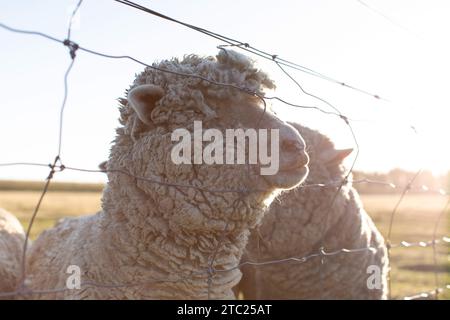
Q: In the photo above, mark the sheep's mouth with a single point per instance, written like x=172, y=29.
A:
x=294, y=167
x=295, y=171
x=298, y=163
x=288, y=178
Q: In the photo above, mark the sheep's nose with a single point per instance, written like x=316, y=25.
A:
x=292, y=150
x=291, y=145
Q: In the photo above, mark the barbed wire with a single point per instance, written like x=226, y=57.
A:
x=428, y=294
x=58, y=166
x=391, y=223
x=211, y=270
x=335, y=183
x=444, y=240
x=435, y=242
x=248, y=48
x=75, y=46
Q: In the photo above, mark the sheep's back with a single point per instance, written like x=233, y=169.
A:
x=342, y=276
x=12, y=238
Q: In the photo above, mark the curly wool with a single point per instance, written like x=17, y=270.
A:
x=12, y=237
x=299, y=222
x=157, y=241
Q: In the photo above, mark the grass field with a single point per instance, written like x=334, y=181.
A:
x=412, y=268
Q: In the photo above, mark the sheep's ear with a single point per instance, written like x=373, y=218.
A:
x=143, y=100
x=334, y=157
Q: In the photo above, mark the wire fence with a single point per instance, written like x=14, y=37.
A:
x=57, y=165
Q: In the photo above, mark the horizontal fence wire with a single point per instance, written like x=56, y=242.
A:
x=300, y=259
x=57, y=165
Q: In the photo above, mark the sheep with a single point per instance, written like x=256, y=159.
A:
x=301, y=221
x=12, y=238
x=156, y=237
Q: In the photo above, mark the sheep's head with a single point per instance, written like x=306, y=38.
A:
x=308, y=210
x=326, y=165
x=160, y=102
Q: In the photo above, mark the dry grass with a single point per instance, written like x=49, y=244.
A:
x=23, y=185
x=56, y=205
x=412, y=268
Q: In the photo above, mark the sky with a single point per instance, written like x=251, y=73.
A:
x=401, y=55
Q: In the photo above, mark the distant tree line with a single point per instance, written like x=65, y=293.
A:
x=400, y=178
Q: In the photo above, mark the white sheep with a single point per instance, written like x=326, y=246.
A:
x=12, y=237
x=156, y=241
x=301, y=221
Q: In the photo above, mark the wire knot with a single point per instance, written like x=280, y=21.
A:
x=388, y=245
x=437, y=291
x=344, y=118
x=408, y=186
x=73, y=47
x=52, y=172
x=322, y=255
x=54, y=165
